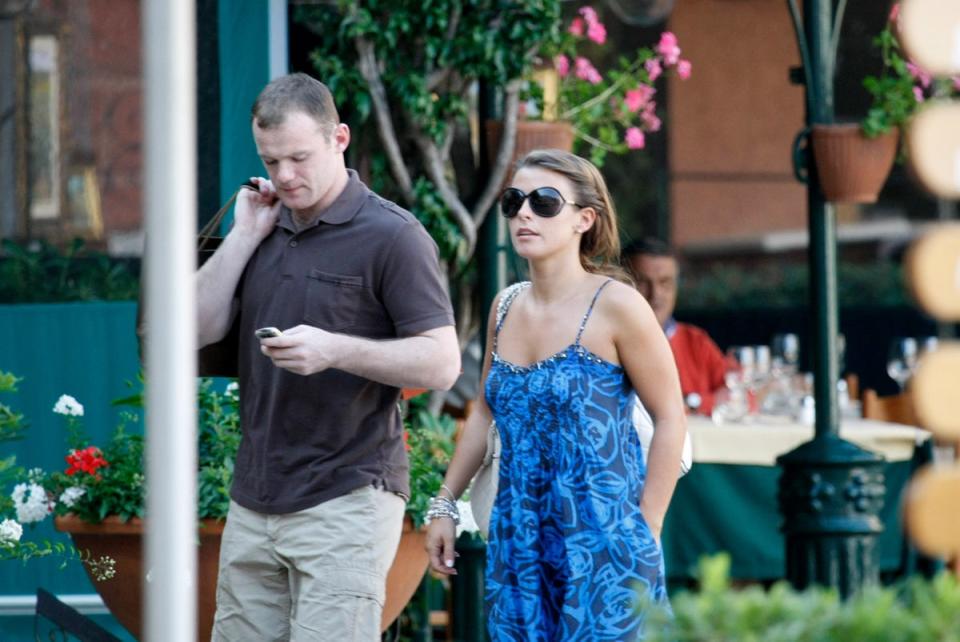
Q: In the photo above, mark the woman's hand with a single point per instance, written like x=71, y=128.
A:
x=440, y=537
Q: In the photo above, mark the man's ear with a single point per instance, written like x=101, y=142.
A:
x=341, y=137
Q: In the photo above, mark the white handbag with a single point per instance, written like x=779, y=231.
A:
x=483, y=488
x=643, y=422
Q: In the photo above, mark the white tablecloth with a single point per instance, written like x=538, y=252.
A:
x=765, y=438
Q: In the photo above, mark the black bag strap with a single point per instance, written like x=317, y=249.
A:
x=212, y=226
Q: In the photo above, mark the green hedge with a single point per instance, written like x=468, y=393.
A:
x=42, y=273
x=786, y=285
x=916, y=611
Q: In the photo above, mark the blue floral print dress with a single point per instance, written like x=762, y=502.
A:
x=569, y=552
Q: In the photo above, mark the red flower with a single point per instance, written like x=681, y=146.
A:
x=87, y=460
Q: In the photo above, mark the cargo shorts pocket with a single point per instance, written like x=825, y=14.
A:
x=348, y=607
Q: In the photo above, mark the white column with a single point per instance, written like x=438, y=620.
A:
x=171, y=218
x=278, y=39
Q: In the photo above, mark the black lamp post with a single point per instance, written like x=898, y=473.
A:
x=831, y=491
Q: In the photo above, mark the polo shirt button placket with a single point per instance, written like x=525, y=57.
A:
x=293, y=243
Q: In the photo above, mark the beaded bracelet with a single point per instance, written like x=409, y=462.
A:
x=442, y=507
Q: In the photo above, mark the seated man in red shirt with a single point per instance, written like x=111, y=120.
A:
x=700, y=362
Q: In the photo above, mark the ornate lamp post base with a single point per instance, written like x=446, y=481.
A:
x=831, y=493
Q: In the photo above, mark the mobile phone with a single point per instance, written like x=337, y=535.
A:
x=267, y=333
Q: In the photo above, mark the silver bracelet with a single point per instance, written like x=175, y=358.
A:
x=447, y=488
x=442, y=507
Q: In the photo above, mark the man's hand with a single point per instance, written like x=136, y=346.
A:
x=303, y=349
x=256, y=212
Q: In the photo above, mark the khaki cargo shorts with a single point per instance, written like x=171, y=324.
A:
x=317, y=574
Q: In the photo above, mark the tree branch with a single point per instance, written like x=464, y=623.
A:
x=370, y=70
x=434, y=167
x=508, y=143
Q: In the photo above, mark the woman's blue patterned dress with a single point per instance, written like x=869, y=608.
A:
x=569, y=552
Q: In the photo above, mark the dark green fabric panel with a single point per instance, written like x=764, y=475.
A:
x=721, y=507
x=86, y=350
x=244, y=70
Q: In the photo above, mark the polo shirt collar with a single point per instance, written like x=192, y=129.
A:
x=341, y=211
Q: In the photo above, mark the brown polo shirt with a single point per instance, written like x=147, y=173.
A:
x=367, y=269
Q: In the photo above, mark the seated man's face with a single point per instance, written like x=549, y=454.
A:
x=657, y=281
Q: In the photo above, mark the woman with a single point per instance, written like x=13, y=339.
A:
x=575, y=528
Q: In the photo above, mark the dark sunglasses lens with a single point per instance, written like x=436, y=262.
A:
x=546, y=202
x=511, y=201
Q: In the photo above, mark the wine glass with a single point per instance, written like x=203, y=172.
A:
x=785, y=350
x=902, y=359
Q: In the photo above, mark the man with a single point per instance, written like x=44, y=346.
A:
x=699, y=361
x=353, y=283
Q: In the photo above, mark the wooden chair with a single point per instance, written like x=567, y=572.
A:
x=894, y=408
x=899, y=409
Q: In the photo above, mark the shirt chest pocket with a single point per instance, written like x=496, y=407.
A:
x=334, y=302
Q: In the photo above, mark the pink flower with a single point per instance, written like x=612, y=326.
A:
x=683, y=69
x=649, y=119
x=562, y=64
x=919, y=74
x=668, y=48
x=637, y=98
x=653, y=68
x=956, y=82
x=590, y=15
x=918, y=94
x=597, y=32
x=576, y=27
x=584, y=70
x=635, y=138
x=894, y=12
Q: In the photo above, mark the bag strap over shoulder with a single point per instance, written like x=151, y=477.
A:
x=212, y=226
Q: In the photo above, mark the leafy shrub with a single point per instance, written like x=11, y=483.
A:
x=918, y=610
x=41, y=273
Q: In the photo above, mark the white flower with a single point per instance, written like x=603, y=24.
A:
x=467, y=522
x=31, y=502
x=71, y=495
x=10, y=532
x=67, y=405
x=232, y=389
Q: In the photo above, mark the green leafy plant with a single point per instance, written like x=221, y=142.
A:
x=41, y=272
x=902, y=86
x=101, y=482
x=429, y=442
x=17, y=507
x=916, y=611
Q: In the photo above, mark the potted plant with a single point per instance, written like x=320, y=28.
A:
x=853, y=160
x=609, y=112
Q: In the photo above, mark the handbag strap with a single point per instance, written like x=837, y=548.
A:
x=213, y=225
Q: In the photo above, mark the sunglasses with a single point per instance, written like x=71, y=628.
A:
x=544, y=201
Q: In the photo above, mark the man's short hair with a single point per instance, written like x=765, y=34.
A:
x=294, y=92
x=649, y=246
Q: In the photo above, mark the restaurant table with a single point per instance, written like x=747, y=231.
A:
x=728, y=500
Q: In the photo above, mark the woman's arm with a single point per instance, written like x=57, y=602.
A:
x=645, y=353
x=467, y=457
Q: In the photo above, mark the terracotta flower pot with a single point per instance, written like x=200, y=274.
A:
x=123, y=594
x=405, y=574
x=531, y=135
x=852, y=168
